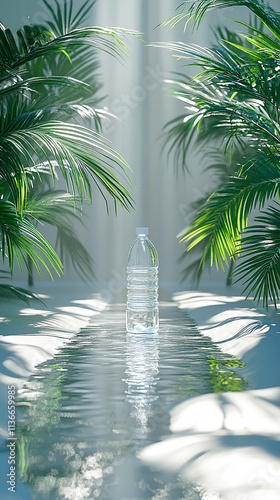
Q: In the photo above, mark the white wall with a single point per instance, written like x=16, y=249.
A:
x=161, y=197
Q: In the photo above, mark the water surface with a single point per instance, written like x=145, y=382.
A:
x=107, y=394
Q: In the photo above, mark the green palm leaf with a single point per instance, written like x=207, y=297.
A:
x=20, y=237
x=48, y=79
x=111, y=41
x=56, y=208
x=58, y=81
x=78, y=152
x=195, y=10
x=224, y=215
x=252, y=120
x=64, y=20
x=259, y=269
x=59, y=209
x=234, y=99
x=13, y=56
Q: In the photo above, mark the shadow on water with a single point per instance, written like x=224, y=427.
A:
x=104, y=396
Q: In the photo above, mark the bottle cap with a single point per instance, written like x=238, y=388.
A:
x=142, y=231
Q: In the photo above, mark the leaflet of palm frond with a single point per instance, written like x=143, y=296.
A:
x=194, y=11
x=64, y=19
x=254, y=119
x=224, y=215
x=79, y=153
x=259, y=267
x=56, y=208
x=32, y=43
x=51, y=206
x=19, y=238
x=61, y=102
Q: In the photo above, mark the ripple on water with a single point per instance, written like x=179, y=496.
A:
x=106, y=395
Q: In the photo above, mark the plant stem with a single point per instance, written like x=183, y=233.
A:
x=30, y=273
x=229, y=276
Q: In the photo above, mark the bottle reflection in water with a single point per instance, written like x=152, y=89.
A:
x=142, y=358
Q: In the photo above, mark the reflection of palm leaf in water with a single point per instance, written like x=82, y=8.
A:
x=223, y=374
x=41, y=412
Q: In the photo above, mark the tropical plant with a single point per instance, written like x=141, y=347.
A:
x=235, y=96
x=83, y=66
x=223, y=163
x=221, y=168
x=46, y=81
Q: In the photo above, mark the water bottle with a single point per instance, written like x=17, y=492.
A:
x=142, y=285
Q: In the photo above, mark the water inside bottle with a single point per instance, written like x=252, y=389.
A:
x=142, y=314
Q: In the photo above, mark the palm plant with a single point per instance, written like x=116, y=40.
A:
x=45, y=84
x=236, y=96
x=221, y=167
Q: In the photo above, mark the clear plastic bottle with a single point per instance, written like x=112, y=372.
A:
x=142, y=314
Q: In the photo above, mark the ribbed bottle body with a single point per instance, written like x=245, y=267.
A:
x=142, y=315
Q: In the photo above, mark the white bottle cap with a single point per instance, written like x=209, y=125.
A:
x=142, y=231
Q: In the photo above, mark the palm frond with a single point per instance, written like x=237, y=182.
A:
x=222, y=218
x=259, y=269
x=19, y=237
x=48, y=78
x=50, y=206
x=194, y=11
x=239, y=104
x=56, y=208
x=33, y=43
x=79, y=153
x=64, y=19
x=110, y=40
x=58, y=81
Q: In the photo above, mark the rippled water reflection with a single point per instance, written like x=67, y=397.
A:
x=89, y=410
